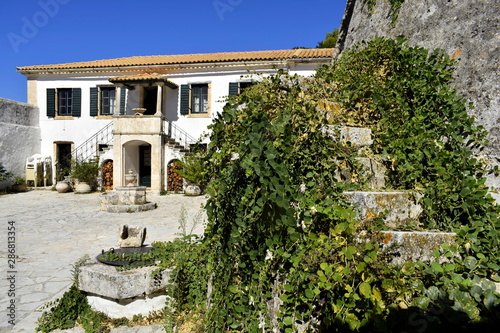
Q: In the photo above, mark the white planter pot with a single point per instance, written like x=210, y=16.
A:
x=83, y=187
x=62, y=187
x=192, y=190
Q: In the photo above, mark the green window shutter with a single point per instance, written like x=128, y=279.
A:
x=77, y=103
x=93, y=102
x=51, y=102
x=184, y=99
x=123, y=92
x=233, y=88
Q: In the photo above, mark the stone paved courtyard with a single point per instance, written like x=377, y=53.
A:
x=53, y=230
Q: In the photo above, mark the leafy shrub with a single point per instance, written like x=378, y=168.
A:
x=280, y=249
x=85, y=171
x=4, y=174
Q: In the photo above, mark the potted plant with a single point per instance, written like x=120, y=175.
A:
x=192, y=169
x=19, y=184
x=84, y=173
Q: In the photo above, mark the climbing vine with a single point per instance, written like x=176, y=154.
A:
x=281, y=251
x=395, y=6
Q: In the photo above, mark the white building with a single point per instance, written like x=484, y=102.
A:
x=87, y=108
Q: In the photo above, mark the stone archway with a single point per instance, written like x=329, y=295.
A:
x=175, y=182
x=107, y=175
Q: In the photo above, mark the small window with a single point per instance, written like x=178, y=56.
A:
x=236, y=88
x=244, y=85
x=65, y=105
x=195, y=100
x=199, y=98
x=64, y=102
x=108, y=101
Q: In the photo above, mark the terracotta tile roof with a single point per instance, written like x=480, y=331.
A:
x=154, y=77
x=139, y=77
x=190, y=59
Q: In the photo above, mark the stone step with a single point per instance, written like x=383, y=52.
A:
x=356, y=136
x=371, y=169
x=398, y=208
x=403, y=246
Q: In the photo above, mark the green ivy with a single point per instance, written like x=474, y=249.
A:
x=394, y=9
x=281, y=250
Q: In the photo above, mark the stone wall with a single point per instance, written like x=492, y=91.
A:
x=19, y=135
x=467, y=30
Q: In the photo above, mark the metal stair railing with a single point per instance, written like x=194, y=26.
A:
x=86, y=150
x=90, y=148
x=179, y=135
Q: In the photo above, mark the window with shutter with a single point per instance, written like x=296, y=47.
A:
x=76, y=105
x=123, y=98
x=108, y=101
x=184, y=102
x=233, y=88
x=51, y=102
x=93, y=102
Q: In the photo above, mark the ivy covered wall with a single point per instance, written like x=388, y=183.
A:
x=469, y=31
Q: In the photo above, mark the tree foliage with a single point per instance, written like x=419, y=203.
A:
x=330, y=40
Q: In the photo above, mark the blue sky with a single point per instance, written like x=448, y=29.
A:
x=36, y=32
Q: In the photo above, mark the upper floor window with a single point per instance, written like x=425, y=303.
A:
x=102, y=101
x=64, y=102
x=195, y=99
x=108, y=100
x=199, y=98
x=236, y=88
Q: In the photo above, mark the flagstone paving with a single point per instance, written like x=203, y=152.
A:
x=54, y=230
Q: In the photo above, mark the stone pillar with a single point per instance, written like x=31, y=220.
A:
x=118, y=162
x=118, y=100
x=159, y=100
x=156, y=164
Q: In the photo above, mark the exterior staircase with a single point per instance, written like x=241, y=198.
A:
x=399, y=210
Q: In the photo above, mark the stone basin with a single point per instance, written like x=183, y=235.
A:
x=123, y=293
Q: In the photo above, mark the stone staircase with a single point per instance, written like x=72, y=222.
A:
x=399, y=210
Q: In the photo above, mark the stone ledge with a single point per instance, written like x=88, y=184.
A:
x=397, y=207
x=129, y=208
x=356, y=136
x=403, y=246
x=140, y=306
x=104, y=280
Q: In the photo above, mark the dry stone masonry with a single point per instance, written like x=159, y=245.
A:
x=399, y=210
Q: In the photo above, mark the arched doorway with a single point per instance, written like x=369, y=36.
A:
x=175, y=182
x=107, y=175
x=138, y=158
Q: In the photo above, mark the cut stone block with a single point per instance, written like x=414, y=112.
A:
x=397, y=208
x=372, y=170
x=140, y=306
x=104, y=280
x=403, y=246
x=126, y=199
x=132, y=236
x=356, y=136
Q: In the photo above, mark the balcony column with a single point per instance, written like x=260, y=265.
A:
x=118, y=94
x=159, y=101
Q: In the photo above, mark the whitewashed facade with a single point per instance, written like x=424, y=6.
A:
x=87, y=108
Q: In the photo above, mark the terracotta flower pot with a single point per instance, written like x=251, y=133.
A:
x=62, y=187
x=83, y=187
